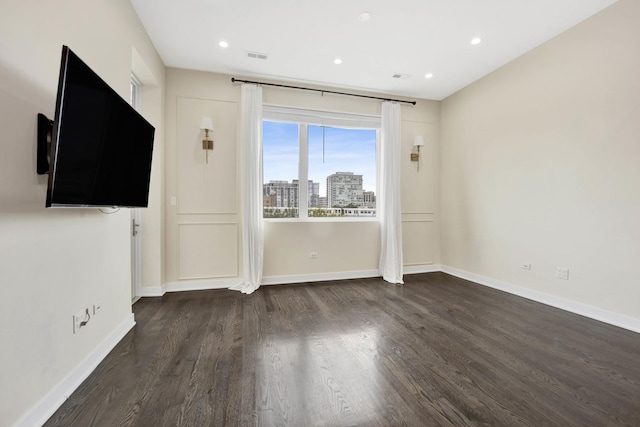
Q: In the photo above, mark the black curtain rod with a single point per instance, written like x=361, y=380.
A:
x=234, y=80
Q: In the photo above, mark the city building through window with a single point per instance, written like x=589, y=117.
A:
x=337, y=162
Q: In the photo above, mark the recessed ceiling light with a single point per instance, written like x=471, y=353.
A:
x=223, y=44
x=428, y=75
x=364, y=16
x=337, y=61
x=476, y=40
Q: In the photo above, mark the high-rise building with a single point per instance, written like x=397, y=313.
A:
x=284, y=194
x=280, y=194
x=368, y=199
x=344, y=189
x=314, y=194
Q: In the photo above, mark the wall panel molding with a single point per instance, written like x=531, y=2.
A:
x=207, y=250
x=206, y=188
x=418, y=241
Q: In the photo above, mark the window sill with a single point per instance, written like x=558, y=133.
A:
x=320, y=219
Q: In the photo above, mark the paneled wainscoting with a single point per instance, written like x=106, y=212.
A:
x=437, y=351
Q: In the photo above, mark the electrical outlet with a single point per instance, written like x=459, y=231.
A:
x=77, y=318
x=174, y=201
x=562, y=273
x=526, y=266
x=313, y=255
x=80, y=319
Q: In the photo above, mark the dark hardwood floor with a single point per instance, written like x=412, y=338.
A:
x=436, y=351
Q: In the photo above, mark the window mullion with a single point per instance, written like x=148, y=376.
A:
x=303, y=171
x=378, y=165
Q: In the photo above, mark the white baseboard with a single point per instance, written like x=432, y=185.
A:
x=206, y=284
x=201, y=285
x=585, y=310
x=345, y=275
x=319, y=277
x=153, y=291
x=421, y=268
x=49, y=404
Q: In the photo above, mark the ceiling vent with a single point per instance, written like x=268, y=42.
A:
x=401, y=76
x=257, y=55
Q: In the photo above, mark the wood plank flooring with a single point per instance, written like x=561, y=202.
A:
x=436, y=351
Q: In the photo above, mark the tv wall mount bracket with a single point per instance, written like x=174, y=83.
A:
x=45, y=132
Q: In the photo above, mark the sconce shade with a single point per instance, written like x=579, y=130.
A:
x=418, y=142
x=207, y=123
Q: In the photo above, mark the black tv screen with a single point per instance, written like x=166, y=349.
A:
x=101, y=146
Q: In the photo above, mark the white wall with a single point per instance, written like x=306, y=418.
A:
x=54, y=263
x=540, y=164
x=203, y=232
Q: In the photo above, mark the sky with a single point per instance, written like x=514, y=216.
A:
x=345, y=150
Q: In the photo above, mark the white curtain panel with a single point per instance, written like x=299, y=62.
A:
x=251, y=187
x=389, y=198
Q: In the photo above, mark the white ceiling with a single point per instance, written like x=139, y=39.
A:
x=303, y=37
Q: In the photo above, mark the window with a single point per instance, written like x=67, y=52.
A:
x=280, y=153
x=334, y=153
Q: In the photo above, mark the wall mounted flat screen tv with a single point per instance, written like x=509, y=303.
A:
x=101, y=147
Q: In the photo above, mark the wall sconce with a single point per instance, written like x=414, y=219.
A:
x=417, y=143
x=207, y=125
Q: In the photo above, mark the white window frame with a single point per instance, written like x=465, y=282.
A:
x=136, y=213
x=136, y=93
x=303, y=118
